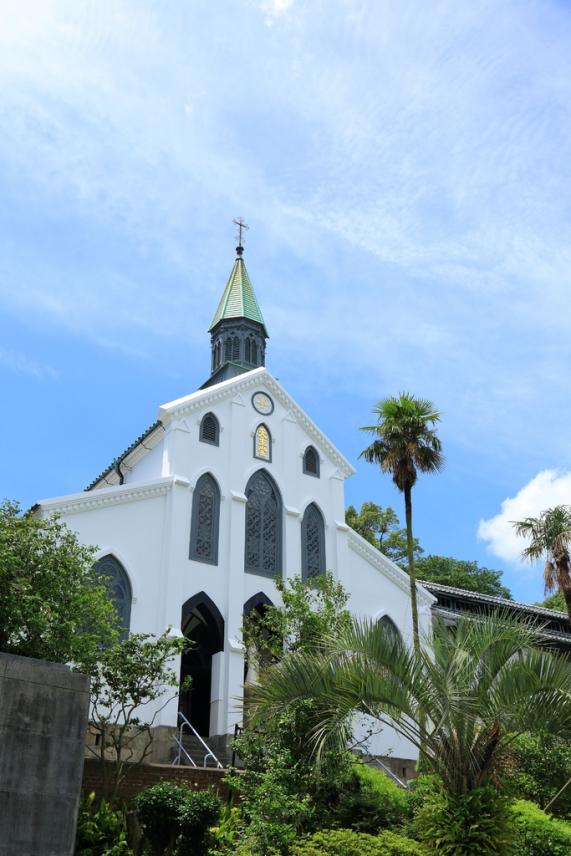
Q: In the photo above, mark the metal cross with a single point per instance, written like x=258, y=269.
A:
x=241, y=225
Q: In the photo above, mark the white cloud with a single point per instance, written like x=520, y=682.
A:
x=546, y=489
x=21, y=363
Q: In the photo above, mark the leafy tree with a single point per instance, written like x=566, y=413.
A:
x=549, y=537
x=405, y=444
x=461, y=574
x=478, y=688
x=53, y=605
x=130, y=675
x=543, y=771
x=555, y=601
x=381, y=528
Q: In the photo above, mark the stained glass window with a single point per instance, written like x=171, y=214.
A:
x=204, y=524
x=119, y=588
x=263, y=527
x=312, y=543
x=263, y=443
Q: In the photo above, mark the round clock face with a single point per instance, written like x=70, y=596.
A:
x=262, y=403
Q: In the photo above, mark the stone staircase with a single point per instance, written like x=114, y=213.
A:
x=194, y=753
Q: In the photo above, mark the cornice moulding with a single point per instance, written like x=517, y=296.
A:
x=105, y=496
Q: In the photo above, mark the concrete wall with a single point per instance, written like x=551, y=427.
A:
x=43, y=719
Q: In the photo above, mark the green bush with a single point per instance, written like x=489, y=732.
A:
x=543, y=766
x=477, y=822
x=347, y=842
x=101, y=829
x=537, y=833
x=369, y=801
x=177, y=819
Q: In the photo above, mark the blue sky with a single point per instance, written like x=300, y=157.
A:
x=405, y=169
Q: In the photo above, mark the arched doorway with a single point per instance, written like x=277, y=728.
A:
x=254, y=609
x=203, y=625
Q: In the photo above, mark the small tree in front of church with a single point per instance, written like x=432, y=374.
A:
x=132, y=681
x=53, y=604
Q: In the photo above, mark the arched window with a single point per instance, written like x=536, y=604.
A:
x=263, y=443
x=312, y=543
x=390, y=628
x=228, y=349
x=204, y=524
x=217, y=348
x=311, y=462
x=119, y=589
x=247, y=351
x=236, y=348
x=209, y=430
x=254, y=352
x=263, y=526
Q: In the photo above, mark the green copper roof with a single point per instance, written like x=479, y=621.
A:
x=238, y=299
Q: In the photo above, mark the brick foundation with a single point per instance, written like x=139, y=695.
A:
x=143, y=776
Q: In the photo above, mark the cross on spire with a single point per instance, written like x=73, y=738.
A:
x=241, y=226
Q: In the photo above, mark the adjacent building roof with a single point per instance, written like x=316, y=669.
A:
x=238, y=299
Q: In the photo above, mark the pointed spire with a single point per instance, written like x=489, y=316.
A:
x=238, y=299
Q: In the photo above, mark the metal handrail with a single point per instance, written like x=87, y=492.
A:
x=181, y=749
x=386, y=769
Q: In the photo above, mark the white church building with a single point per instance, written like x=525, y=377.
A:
x=231, y=487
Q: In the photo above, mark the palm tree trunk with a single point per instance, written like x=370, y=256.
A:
x=564, y=581
x=410, y=553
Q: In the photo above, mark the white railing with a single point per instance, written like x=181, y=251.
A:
x=181, y=750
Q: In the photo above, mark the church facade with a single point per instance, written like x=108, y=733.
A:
x=231, y=487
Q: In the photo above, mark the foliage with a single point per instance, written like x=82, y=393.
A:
x=177, y=819
x=480, y=685
x=543, y=768
x=538, y=834
x=310, y=609
x=225, y=835
x=130, y=675
x=369, y=800
x=555, y=601
x=347, y=842
x=549, y=538
x=464, y=824
x=405, y=444
x=53, y=605
x=381, y=528
x=101, y=829
x=461, y=574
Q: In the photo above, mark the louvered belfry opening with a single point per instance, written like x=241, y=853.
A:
x=209, y=429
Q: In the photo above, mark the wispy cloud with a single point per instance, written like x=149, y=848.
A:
x=545, y=490
x=20, y=363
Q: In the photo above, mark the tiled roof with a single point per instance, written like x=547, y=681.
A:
x=438, y=588
x=238, y=299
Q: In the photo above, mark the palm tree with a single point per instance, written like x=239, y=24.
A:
x=405, y=444
x=461, y=702
x=549, y=538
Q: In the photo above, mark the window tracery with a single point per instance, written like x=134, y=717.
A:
x=205, y=519
x=312, y=543
x=263, y=527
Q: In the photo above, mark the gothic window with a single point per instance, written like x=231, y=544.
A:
x=254, y=352
x=263, y=527
x=312, y=543
x=228, y=349
x=311, y=462
x=236, y=348
x=119, y=588
x=204, y=524
x=263, y=443
x=247, y=356
x=217, y=354
x=390, y=628
x=210, y=430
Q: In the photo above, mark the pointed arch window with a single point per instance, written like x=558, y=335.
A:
x=390, y=628
x=254, y=352
x=263, y=553
x=205, y=521
x=311, y=462
x=312, y=543
x=210, y=430
x=228, y=348
x=263, y=443
x=119, y=589
x=247, y=350
x=236, y=348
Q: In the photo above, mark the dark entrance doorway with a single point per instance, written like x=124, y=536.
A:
x=203, y=625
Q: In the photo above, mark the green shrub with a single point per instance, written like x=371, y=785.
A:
x=347, y=842
x=101, y=829
x=478, y=822
x=543, y=766
x=369, y=801
x=537, y=833
x=226, y=833
x=177, y=819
